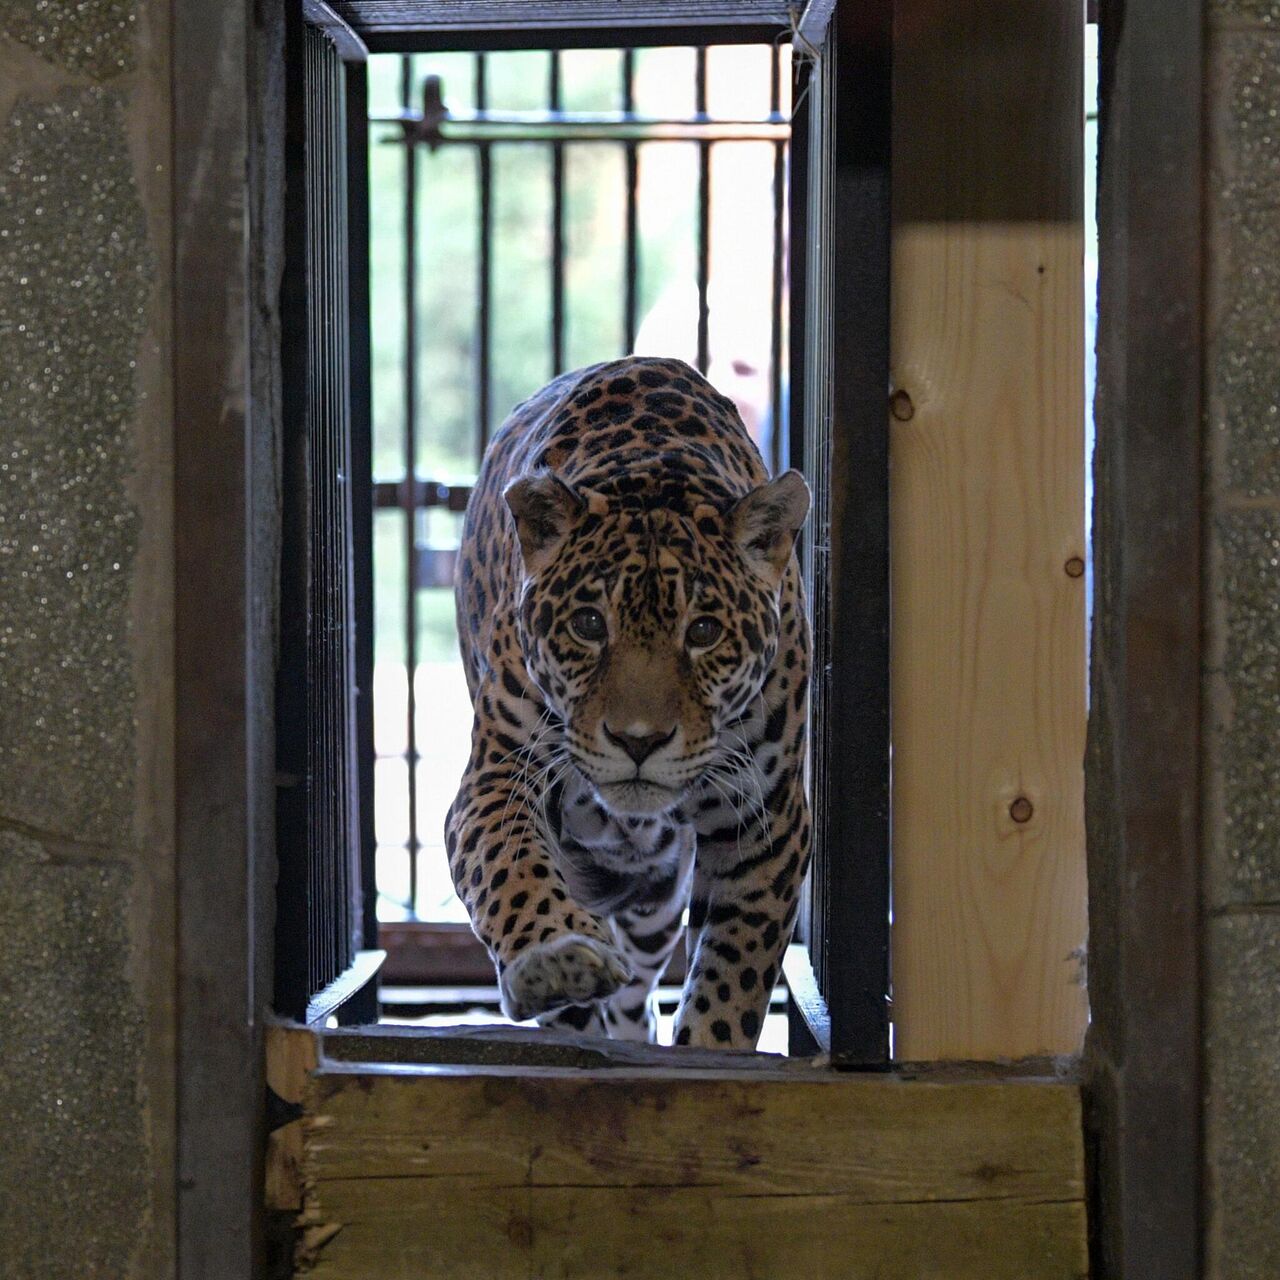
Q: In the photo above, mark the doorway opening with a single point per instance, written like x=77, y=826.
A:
x=530, y=212
x=752, y=278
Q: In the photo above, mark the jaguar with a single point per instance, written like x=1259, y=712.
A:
x=633, y=630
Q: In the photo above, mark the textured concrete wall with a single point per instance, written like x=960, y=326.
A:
x=1242, y=678
x=86, y=843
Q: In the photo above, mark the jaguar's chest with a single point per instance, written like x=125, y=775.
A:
x=614, y=864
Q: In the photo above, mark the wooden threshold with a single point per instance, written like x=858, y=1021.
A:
x=709, y=1165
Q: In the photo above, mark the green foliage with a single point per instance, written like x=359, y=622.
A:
x=446, y=298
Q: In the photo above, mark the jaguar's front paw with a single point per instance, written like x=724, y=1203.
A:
x=572, y=969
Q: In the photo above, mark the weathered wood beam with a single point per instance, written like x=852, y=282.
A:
x=442, y=1171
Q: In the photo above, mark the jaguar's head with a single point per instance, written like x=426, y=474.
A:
x=648, y=632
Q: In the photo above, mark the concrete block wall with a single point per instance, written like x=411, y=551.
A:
x=86, y=641
x=1242, y=653
x=86, y=681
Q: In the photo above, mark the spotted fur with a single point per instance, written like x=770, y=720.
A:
x=633, y=630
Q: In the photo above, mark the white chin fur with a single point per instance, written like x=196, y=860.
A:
x=637, y=799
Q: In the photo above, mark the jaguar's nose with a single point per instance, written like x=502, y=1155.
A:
x=639, y=747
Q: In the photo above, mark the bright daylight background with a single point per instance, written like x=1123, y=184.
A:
x=447, y=314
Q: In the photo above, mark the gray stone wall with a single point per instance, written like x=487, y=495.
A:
x=86, y=841
x=1242, y=677
x=86, y=680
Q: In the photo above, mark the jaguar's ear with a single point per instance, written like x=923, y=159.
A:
x=544, y=507
x=766, y=521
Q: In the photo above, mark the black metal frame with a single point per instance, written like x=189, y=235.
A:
x=362, y=495
x=843, y=424
x=421, y=26
x=839, y=281
x=323, y=686
x=408, y=498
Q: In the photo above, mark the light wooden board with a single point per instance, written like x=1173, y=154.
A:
x=454, y=1173
x=291, y=1055
x=987, y=508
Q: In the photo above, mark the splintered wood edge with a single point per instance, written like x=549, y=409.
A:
x=292, y=1054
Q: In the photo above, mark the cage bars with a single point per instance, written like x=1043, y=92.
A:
x=554, y=128
x=704, y=215
x=557, y=223
x=484, y=257
x=408, y=496
x=777, y=456
x=319, y=921
x=631, y=153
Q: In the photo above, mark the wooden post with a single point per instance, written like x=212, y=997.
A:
x=987, y=529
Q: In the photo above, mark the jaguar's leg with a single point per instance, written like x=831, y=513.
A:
x=586, y=1019
x=547, y=949
x=646, y=937
x=631, y=1013
x=745, y=895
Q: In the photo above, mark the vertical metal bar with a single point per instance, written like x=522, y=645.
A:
x=557, y=226
x=776, y=452
x=357, y=125
x=704, y=217
x=334, y=559
x=319, y=832
x=328, y=868
x=306, y=428
x=408, y=490
x=1146, y=1071
x=851, y=242
x=631, y=263
x=339, y=680
x=348, y=852
x=484, y=285
x=799, y=355
x=797, y=271
x=322, y=570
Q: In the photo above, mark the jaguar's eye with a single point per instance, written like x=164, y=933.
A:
x=589, y=624
x=702, y=633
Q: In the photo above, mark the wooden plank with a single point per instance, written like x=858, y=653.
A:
x=572, y=1174
x=987, y=510
x=647, y=1233
x=291, y=1055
